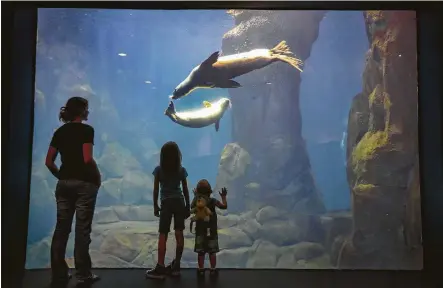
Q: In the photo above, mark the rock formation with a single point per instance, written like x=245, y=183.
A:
x=126, y=236
x=266, y=115
x=382, y=150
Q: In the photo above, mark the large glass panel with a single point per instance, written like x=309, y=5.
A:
x=311, y=126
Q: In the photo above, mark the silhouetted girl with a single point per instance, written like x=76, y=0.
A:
x=76, y=191
x=169, y=176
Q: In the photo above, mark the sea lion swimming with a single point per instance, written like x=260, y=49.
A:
x=217, y=72
x=210, y=114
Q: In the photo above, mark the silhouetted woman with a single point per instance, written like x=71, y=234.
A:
x=76, y=191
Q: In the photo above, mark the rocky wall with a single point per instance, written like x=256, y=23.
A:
x=266, y=117
x=382, y=150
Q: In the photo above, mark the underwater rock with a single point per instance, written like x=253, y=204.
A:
x=116, y=160
x=101, y=260
x=104, y=216
x=234, y=258
x=292, y=228
x=335, y=225
x=148, y=255
x=134, y=244
x=136, y=187
x=109, y=193
x=286, y=261
x=358, y=123
x=150, y=149
x=37, y=255
x=105, y=118
x=233, y=238
x=265, y=255
x=135, y=213
x=252, y=228
x=271, y=130
x=298, y=254
x=281, y=232
x=226, y=221
x=234, y=163
x=268, y=213
x=42, y=205
x=382, y=150
x=125, y=246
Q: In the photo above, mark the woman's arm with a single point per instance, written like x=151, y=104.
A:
x=88, y=158
x=90, y=162
x=50, y=161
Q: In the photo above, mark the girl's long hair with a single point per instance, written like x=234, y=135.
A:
x=170, y=158
x=74, y=108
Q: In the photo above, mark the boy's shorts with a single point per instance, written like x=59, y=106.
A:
x=172, y=207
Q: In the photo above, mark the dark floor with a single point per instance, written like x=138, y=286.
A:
x=243, y=278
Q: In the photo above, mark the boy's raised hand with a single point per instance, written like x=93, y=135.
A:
x=223, y=192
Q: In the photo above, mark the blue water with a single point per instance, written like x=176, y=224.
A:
x=332, y=77
x=159, y=49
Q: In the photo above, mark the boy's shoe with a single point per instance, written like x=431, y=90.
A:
x=200, y=273
x=159, y=272
x=88, y=281
x=173, y=268
x=213, y=273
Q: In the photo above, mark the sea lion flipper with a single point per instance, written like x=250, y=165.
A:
x=228, y=84
x=207, y=104
x=211, y=59
x=217, y=125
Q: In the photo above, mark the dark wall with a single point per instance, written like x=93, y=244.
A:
x=430, y=23
x=17, y=98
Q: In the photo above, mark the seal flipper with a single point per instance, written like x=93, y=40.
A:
x=170, y=111
x=211, y=59
x=217, y=125
x=207, y=104
x=227, y=84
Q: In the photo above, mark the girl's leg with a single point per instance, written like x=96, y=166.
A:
x=213, y=260
x=201, y=260
x=180, y=240
x=162, y=238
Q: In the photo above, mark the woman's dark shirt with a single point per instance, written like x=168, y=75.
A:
x=69, y=140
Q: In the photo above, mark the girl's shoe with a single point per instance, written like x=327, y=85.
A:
x=213, y=272
x=174, y=268
x=200, y=273
x=159, y=272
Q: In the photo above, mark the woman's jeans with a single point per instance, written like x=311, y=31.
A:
x=79, y=197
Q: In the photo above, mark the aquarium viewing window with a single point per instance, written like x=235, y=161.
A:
x=308, y=118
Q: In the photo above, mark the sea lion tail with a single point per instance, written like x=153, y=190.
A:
x=171, y=109
x=283, y=53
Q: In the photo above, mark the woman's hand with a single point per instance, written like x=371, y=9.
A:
x=156, y=211
x=224, y=192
